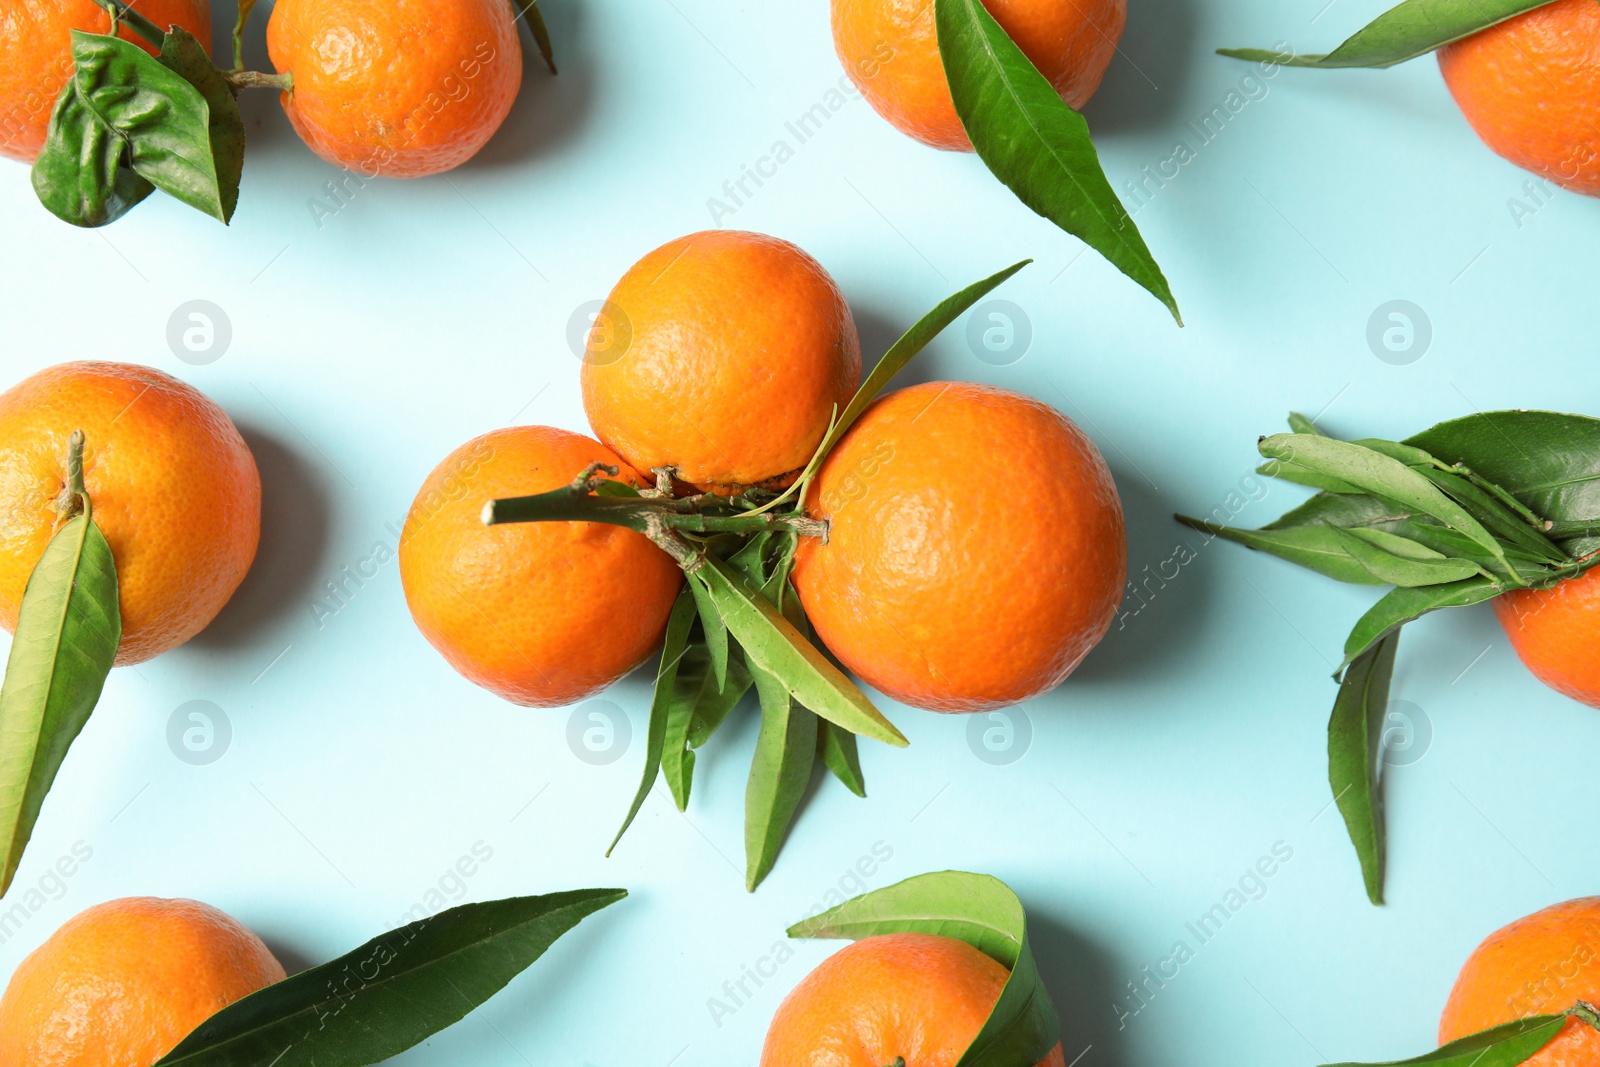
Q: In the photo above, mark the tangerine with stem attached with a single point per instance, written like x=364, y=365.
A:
x=975, y=551
x=541, y=614
x=400, y=90
x=722, y=355
x=911, y=999
x=36, y=39
x=1541, y=964
x=890, y=50
x=1530, y=88
x=124, y=982
x=175, y=491
x=1555, y=632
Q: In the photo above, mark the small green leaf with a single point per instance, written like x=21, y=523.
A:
x=392, y=993
x=163, y=121
x=699, y=706
x=1495, y=515
x=1406, y=31
x=82, y=175
x=716, y=632
x=1395, y=560
x=68, y=629
x=1380, y=475
x=838, y=751
x=1034, y=143
x=1293, y=472
x=910, y=343
x=1319, y=548
x=673, y=647
x=612, y=487
x=771, y=642
x=1400, y=606
x=1505, y=1045
x=184, y=54
x=529, y=10
x=713, y=704
x=1299, y=423
x=786, y=751
x=982, y=911
x=1355, y=732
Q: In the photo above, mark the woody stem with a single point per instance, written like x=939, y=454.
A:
x=577, y=503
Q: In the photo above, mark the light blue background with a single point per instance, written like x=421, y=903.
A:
x=424, y=313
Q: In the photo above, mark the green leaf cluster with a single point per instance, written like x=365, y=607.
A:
x=981, y=910
x=1454, y=516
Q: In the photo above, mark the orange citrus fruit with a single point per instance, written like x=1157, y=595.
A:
x=35, y=38
x=723, y=355
x=1556, y=631
x=400, y=90
x=123, y=982
x=1541, y=964
x=173, y=485
x=919, y=998
x=541, y=614
x=890, y=50
x=975, y=551
x=1530, y=87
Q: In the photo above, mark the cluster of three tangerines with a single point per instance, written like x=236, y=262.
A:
x=973, y=552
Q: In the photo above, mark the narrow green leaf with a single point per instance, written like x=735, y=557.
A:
x=392, y=993
x=163, y=121
x=1318, y=548
x=1400, y=606
x=716, y=632
x=712, y=704
x=612, y=487
x=1380, y=475
x=1505, y=1045
x=1355, y=732
x=786, y=751
x=838, y=751
x=245, y=8
x=910, y=343
x=1396, y=560
x=1299, y=475
x=986, y=914
x=68, y=629
x=771, y=642
x=1299, y=423
x=185, y=55
x=529, y=10
x=672, y=650
x=1406, y=31
x=1495, y=515
x=1034, y=143
x=82, y=175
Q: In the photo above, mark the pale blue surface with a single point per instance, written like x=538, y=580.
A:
x=425, y=313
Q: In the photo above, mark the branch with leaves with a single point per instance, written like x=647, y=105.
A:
x=738, y=625
x=1454, y=516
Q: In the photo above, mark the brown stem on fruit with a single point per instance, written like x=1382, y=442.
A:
x=73, y=498
x=1587, y=1012
x=255, y=79
x=664, y=476
x=673, y=544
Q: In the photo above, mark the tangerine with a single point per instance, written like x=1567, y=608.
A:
x=1555, y=632
x=975, y=551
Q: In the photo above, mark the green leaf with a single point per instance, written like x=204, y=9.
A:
x=1294, y=472
x=163, y=121
x=1396, y=560
x=1382, y=476
x=1496, y=517
x=786, y=751
x=1299, y=423
x=392, y=993
x=910, y=343
x=1034, y=143
x=68, y=629
x=1505, y=1045
x=699, y=706
x=1400, y=606
x=674, y=645
x=1355, y=732
x=982, y=911
x=245, y=8
x=184, y=54
x=837, y=749
x=716, y=632
x=1406, y=31
x=1319, y=548
x=713, y=704
x=1548, y=461
x=529, y=10
x=771, y=642
x=82, y=175
x=612, y=487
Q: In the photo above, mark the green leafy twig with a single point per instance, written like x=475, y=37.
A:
x=1408, y=30
x=1457, y=515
